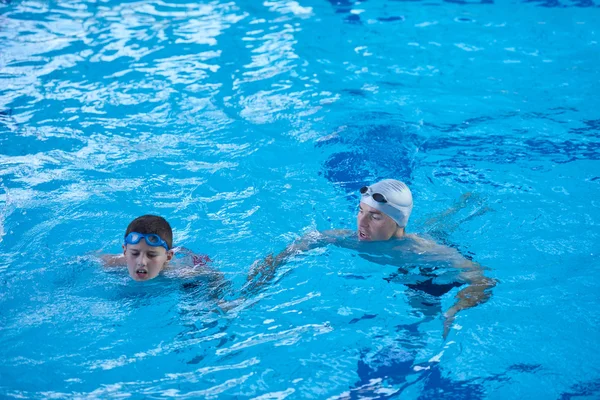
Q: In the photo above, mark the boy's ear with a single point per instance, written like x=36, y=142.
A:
x=170, y=255
x=124, y=249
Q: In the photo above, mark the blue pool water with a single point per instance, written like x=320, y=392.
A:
x=248, y=124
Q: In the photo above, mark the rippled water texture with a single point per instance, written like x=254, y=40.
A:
x=248, y=124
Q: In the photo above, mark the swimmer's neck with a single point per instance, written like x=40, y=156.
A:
x=399, y=234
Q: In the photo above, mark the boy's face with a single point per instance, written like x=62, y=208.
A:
x=145, y=262
x=373, y=225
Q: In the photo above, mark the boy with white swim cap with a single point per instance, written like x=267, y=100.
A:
x=384, y=210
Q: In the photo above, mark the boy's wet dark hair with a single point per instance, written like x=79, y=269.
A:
x=152, y=224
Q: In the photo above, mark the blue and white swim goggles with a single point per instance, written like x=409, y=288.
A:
x=152, y=239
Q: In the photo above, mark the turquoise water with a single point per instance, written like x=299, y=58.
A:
x=250, y=124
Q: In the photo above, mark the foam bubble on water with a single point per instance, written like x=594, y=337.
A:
x=276, y=395
x=386, y=391
x=437, y=357
x=468, y=47
x=426, y=23
x=278, y=338
x=5, y=211
x=344, y=311
x=297, y=9
x=194, y=375
x=292, y=6
x=295, y=302
x=560, y=189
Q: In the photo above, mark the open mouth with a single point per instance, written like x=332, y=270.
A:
x=141, y=273
x=362, y=235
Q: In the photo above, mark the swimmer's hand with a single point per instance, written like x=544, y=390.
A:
x=263, y=271
x=476, y=293
x=448, y=321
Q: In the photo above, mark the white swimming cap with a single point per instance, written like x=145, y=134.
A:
x=398, y=204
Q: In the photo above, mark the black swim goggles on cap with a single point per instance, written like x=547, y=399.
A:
x=152, y=239
x=378, y=197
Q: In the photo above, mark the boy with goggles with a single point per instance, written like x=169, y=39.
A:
x=383, y=214
x=148, y=248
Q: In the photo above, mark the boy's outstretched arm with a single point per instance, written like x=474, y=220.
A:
x=477, y=292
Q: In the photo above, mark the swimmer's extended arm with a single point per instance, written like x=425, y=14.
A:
x=477, y=292
x=113, y=260
x=263, y=272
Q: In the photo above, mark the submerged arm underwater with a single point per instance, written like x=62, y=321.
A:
x=478, y=289
x=477, y=292
x=479, y=286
